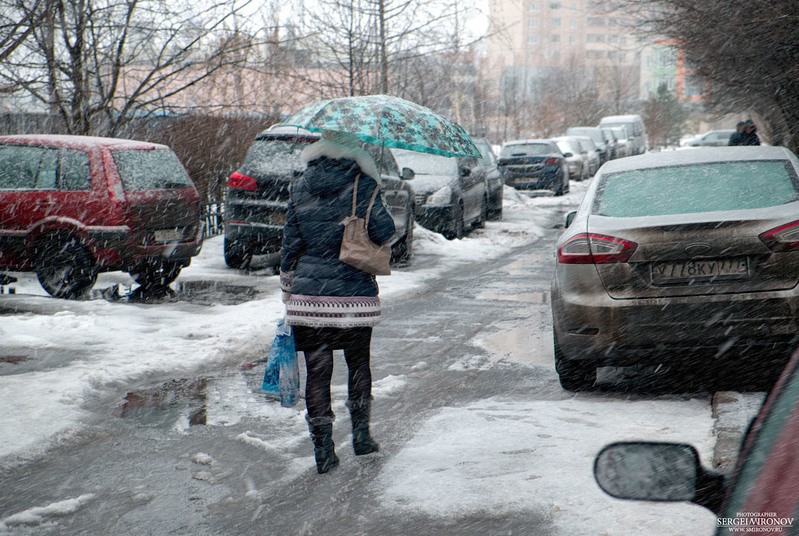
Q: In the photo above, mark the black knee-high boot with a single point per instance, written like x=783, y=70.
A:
x=362, y=442
x=323, y=447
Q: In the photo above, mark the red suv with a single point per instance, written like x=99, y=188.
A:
x=74, y=206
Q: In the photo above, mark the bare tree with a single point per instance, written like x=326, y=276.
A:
x=382, y=44
x=98, y=64
x=18, y=19
x=745, y=51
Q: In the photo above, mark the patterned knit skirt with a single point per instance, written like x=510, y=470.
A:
x=333, y=311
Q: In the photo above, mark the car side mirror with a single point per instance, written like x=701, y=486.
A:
x=407, y=174
x=648, y=471
x=568, y=154
x=570, y=218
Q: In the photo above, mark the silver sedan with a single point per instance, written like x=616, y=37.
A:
x=684, y=258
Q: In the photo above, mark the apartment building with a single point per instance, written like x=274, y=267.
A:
x=534, y=37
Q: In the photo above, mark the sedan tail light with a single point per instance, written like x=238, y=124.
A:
x=551, y=162
x=782, y=238
x=586, y=248
x=237, y=181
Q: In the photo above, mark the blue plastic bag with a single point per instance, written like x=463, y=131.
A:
x=282, y=374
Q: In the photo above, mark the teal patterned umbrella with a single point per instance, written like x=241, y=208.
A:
x=389, y=122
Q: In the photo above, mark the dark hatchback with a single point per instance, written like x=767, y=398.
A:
x=258, y=193
x=534, y=165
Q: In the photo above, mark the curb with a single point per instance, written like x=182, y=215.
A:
x=732, y=412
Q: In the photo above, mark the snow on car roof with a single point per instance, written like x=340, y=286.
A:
x=83, y=142
x=698, y=156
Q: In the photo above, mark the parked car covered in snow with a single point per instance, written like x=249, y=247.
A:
x=258, y=192
x=494, y=183
x=714, y=138
x=535, y=164
x=450, y=193
x=576, y=157
x=74, y=206
x=683, y=258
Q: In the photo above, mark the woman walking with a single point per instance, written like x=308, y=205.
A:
x=332, y=305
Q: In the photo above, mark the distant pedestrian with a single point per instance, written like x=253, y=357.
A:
x=749, y=135
x=332, y=305
x=735, y=138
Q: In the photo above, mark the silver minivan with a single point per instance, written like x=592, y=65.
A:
x=634, y=125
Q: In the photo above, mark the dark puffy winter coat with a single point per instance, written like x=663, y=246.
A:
x=320, y=200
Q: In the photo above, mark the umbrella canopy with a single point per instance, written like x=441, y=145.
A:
x=389, y=122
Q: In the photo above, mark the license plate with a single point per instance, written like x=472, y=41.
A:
x=277, y=218
x=700, y=270
x=168, y=235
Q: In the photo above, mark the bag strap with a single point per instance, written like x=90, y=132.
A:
x=369, y=209
x=355, y=199
x=355, y=193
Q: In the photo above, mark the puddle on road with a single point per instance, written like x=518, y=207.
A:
x=519, y=345
x=14, y=359
x=175, y=403
x=180, y=404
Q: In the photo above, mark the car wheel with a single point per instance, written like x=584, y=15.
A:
x=457, y=222
x=155, y=273
x=561, y=189
x=574, y=375
x=481, y=222
x=496, y=211
x=235, y=254
x=65, y=268
x=402, y=250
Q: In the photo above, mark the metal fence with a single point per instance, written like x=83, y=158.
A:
x=213, y=219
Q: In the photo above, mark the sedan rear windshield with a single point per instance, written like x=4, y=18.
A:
x=696, y=188
x=275, y=156
x=526, y=149
x=150, y=170
x=426, y=164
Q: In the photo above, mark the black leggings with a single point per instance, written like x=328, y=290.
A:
x=318, y=344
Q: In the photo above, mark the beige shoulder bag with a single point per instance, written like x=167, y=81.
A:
x=356, y=248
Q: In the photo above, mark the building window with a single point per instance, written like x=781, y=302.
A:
x=594, y=38
x=555, y=5
x=555, y=23
x=692, y=89
x=596, y=21
x=532, y=7
x=667, y=57
x=532, y=39
x=532, y=23
x=555, y=38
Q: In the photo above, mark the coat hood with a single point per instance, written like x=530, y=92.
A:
x=341, y=145
x=326, y=176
